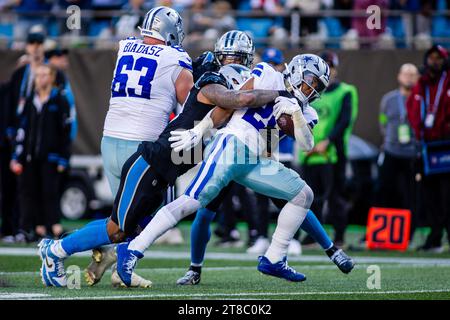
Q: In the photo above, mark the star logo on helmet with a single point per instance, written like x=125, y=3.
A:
x=306, y=59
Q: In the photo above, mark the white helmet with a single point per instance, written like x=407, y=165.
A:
x=235, y=74
x=311, y=70
x=235, y=43
x=164, y=24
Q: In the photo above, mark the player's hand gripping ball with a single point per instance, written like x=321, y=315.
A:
x=283, y=110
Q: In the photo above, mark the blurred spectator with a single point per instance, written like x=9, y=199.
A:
x=308, y=24
x=207, y=24
x=346, y=22
x=62, y=23
x=274, y=57
x=7, y=179
x=42, y=154
x=429, y=115
x=324, y=167
x=269, y=6
x=423, y=19
x=58, y=58
x=229, y=214
x=396, y=172
x=19, y=88
x=29, y=14
x=127, y=24
x=360, y=23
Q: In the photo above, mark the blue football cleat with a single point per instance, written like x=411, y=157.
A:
x=279, y=269
x=52, y=269
x=343, y=261
x=126, y=262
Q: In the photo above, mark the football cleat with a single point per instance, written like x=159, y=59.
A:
x=136, y=280
x=343, y=261
x=102, y=259
x=52, y=270
x=294, y=248
x=190, y=278
x=126, y=262
x=279, y=269
x=260, y=247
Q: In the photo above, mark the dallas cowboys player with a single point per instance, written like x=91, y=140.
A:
x=141, y=183
x=228, y=45
x=151, y=76
x=241, y=140
x=239, y=49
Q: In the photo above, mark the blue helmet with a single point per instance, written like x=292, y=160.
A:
x=272, y=55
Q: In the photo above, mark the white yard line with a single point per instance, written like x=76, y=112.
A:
x=206, y=295
x=239, y=268
x=4, y=251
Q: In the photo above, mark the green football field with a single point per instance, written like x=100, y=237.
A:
x=231, y=274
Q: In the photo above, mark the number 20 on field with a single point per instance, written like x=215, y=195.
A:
x=388, y=229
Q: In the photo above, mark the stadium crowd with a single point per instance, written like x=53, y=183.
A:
x=280, y=23
x=39, y=87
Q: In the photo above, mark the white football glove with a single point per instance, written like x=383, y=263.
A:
x=285, y=105
x=184, y=139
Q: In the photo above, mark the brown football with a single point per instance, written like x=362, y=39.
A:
x=286, y=124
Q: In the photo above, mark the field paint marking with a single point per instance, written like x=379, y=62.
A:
x=232, y=268
x=18, y=295
x=246, y=257
x=248, y=294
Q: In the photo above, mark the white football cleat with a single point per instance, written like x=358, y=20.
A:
x=136, y=280
x=260, y=246
x=295, y=248
x=52, y=270
x=172, y=237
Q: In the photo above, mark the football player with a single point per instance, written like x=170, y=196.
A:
x=233, y=47
x=148, y=172
x=235, y=154
x=151, y=77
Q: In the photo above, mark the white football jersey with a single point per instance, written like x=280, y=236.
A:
x=248, y=124
x=143, y=89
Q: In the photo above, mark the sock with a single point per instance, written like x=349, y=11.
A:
x=197, y=269
x=166, y=218
x=161, y=222
x=200, y=235
x=289, y=220
x=315, y=229
x=331, y=250
x=92, y=235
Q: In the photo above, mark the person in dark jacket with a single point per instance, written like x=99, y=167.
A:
x=7, y=179
x=41, y=153
x=428, y=109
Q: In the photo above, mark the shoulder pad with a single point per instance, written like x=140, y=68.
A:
x=204, y=63
x=178, y=48
x=211, y=77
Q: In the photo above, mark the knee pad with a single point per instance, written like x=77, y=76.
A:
x=304, y=198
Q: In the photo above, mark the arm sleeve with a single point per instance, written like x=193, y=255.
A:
x=413, y=105
x=302, y=132
x=343, y=120
x=21, y=135
x=13, y=101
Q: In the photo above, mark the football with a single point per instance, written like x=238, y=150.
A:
x=286, y=124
